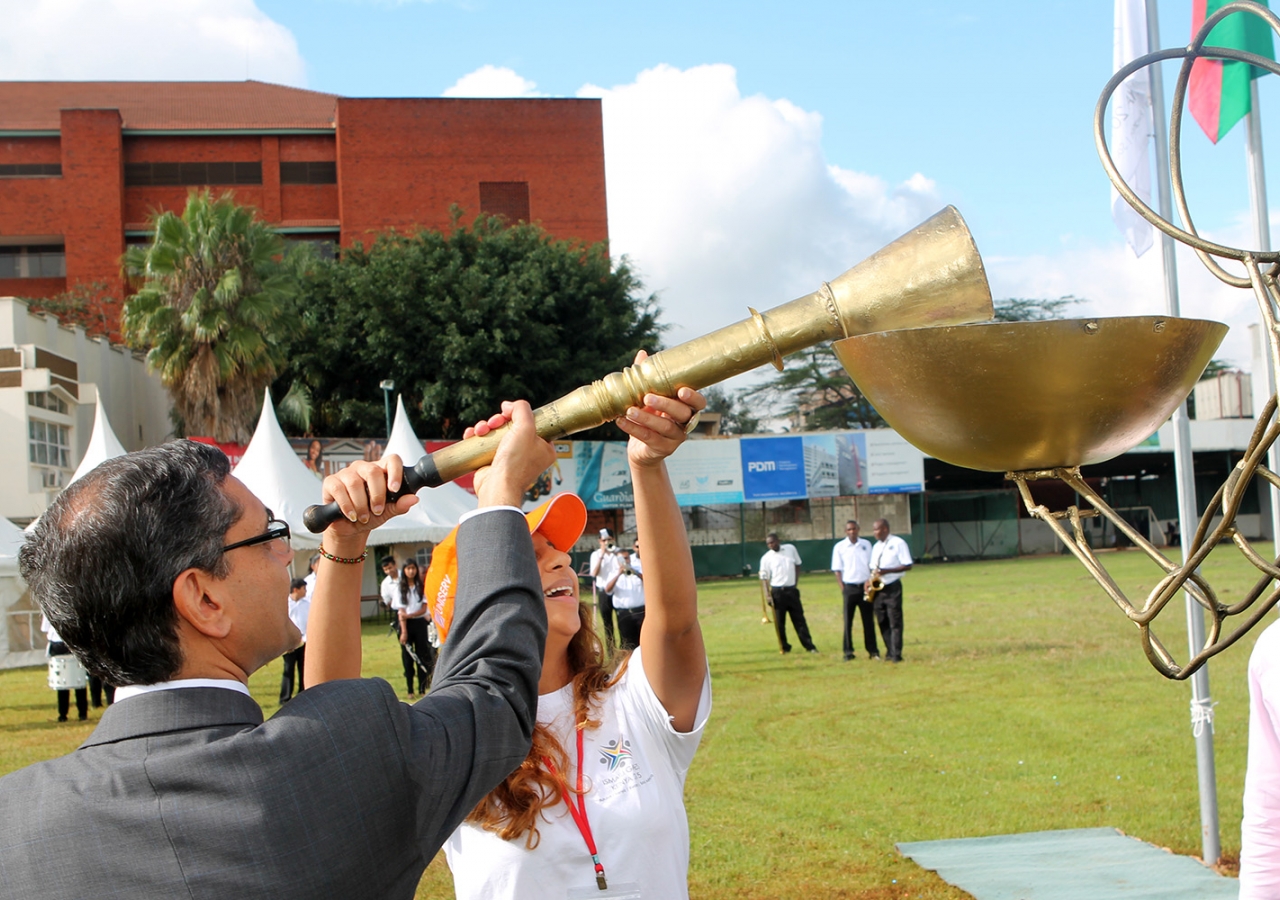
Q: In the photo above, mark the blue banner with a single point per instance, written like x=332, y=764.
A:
x=773, y=468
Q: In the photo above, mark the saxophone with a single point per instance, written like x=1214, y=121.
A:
x=874, y=585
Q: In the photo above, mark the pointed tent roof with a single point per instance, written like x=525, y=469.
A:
x=103, y=444
x=273, y=472
x=438, y=509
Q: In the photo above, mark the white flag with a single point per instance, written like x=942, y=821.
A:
x=1131, y=130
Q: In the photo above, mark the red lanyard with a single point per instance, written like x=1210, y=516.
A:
x=579, y=811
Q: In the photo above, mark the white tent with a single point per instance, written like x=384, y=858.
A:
x=21, y=643
x=438, y=509
x=272, y=471
x=103, y=444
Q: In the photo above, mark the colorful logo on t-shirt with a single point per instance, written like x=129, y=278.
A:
x=613, y=753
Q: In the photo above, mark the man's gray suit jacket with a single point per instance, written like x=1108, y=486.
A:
x=344, y=793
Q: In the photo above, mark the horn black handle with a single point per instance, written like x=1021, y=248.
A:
x=423, y=474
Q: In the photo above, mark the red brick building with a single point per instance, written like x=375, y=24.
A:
x=83, y=163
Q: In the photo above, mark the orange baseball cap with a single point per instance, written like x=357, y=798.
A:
x=561, y=520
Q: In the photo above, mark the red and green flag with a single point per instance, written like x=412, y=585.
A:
x=1219, y=89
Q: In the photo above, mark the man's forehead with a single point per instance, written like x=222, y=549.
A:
x=242, y=498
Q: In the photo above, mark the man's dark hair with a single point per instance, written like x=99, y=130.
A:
x=103, y=558
x=386, y=561
x=297, y=584
x=852, y=522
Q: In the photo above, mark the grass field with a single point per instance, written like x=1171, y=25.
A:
x=1024, y=704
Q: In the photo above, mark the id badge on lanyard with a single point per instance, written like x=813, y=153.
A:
x=629, y=891
x=602, y=890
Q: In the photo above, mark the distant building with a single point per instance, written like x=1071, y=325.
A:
x=50, y=379
x=82, y=164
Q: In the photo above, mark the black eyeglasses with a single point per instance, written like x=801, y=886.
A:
x=275, y=529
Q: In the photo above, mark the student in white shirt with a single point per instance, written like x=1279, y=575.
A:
x=390, y=586
x=603, y=566
x=890, y=558
x=778, y=568
x=629, y=734
x=414, y=639
x=299, y=611
x=627, y=589
x=851, y=561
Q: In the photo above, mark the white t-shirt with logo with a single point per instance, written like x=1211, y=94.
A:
x=635, y=764
x=889, y=554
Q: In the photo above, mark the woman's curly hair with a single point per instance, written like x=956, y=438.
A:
x=512, y=808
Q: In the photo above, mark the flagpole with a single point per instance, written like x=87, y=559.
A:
x=1262, y=241
x=1184, y=476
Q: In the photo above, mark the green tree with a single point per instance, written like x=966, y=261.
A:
x=816, y=394
x=214, y=311
x=461, y=321
x=735, y=418
x=1024, y=309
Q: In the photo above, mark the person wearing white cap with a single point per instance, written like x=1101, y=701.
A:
x=603, y=568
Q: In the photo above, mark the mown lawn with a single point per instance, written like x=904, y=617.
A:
x=1024, y=704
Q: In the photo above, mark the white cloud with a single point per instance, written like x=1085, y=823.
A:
x=723, y=201
x=1113, y=283
x=492, y=81
x=156, y=40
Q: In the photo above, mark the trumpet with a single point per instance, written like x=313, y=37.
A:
x=932, y=275
x=874, y=585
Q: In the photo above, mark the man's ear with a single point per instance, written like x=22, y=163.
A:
x=197, y=603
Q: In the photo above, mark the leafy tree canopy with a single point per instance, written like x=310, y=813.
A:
x=1039, y=309
x=734, y=409
x=816, y=393
x=461, y=321
x=214, y=311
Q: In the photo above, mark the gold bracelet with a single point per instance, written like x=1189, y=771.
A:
x=341, y=559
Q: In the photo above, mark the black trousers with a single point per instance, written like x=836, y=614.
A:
x=58, y=648
x=294, y=659
x=630, y=621
x=854, y=604
x=421, y=644
x=96, y=690
x=604, y=603
x=786, y=602
x=888, y=608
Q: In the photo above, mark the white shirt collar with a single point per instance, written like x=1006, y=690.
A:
x=133, y=690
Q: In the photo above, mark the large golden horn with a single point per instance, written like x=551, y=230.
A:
x=932, y=275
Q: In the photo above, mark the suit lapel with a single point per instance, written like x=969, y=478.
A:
x=182, y=709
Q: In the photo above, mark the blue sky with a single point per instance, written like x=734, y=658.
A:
x=753, y=149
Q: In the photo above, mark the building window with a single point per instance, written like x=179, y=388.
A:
x=33, y=262
x=324, y=243
x=31, y=170
x=173, y=174
x=47, y=400
x=308, y=173
x=49, y=444
x=509, y=199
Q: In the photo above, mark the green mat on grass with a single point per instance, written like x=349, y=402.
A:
x=1079, y=864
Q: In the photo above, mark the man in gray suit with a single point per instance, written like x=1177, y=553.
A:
x=166, y=576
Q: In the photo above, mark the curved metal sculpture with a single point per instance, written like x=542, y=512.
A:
x=1261, y=268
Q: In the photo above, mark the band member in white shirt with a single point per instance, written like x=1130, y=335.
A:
x=851, y=561
x=779, y=567
x=890, y=558
x=604, y=565
x=627, y=590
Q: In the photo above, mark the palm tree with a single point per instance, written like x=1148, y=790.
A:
x=214, y=312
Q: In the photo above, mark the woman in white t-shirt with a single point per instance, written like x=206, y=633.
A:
x=615, y=743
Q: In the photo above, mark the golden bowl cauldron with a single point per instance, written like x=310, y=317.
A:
x=1013, y=396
